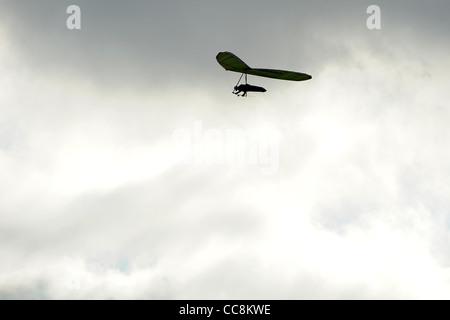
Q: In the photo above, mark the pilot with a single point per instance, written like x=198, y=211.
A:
x=244, y=88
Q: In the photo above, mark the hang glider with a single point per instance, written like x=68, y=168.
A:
x=231, y=62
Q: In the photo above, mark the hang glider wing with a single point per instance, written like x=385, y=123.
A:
x=231, y=62
x=279, y=74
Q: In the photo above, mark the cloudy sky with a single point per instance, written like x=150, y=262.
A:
x=128, y=170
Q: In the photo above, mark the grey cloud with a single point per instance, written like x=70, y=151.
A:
x=153, y=43
x=149, y=42
x=31, y=291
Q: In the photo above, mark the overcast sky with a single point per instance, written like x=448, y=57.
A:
x=107, y=133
